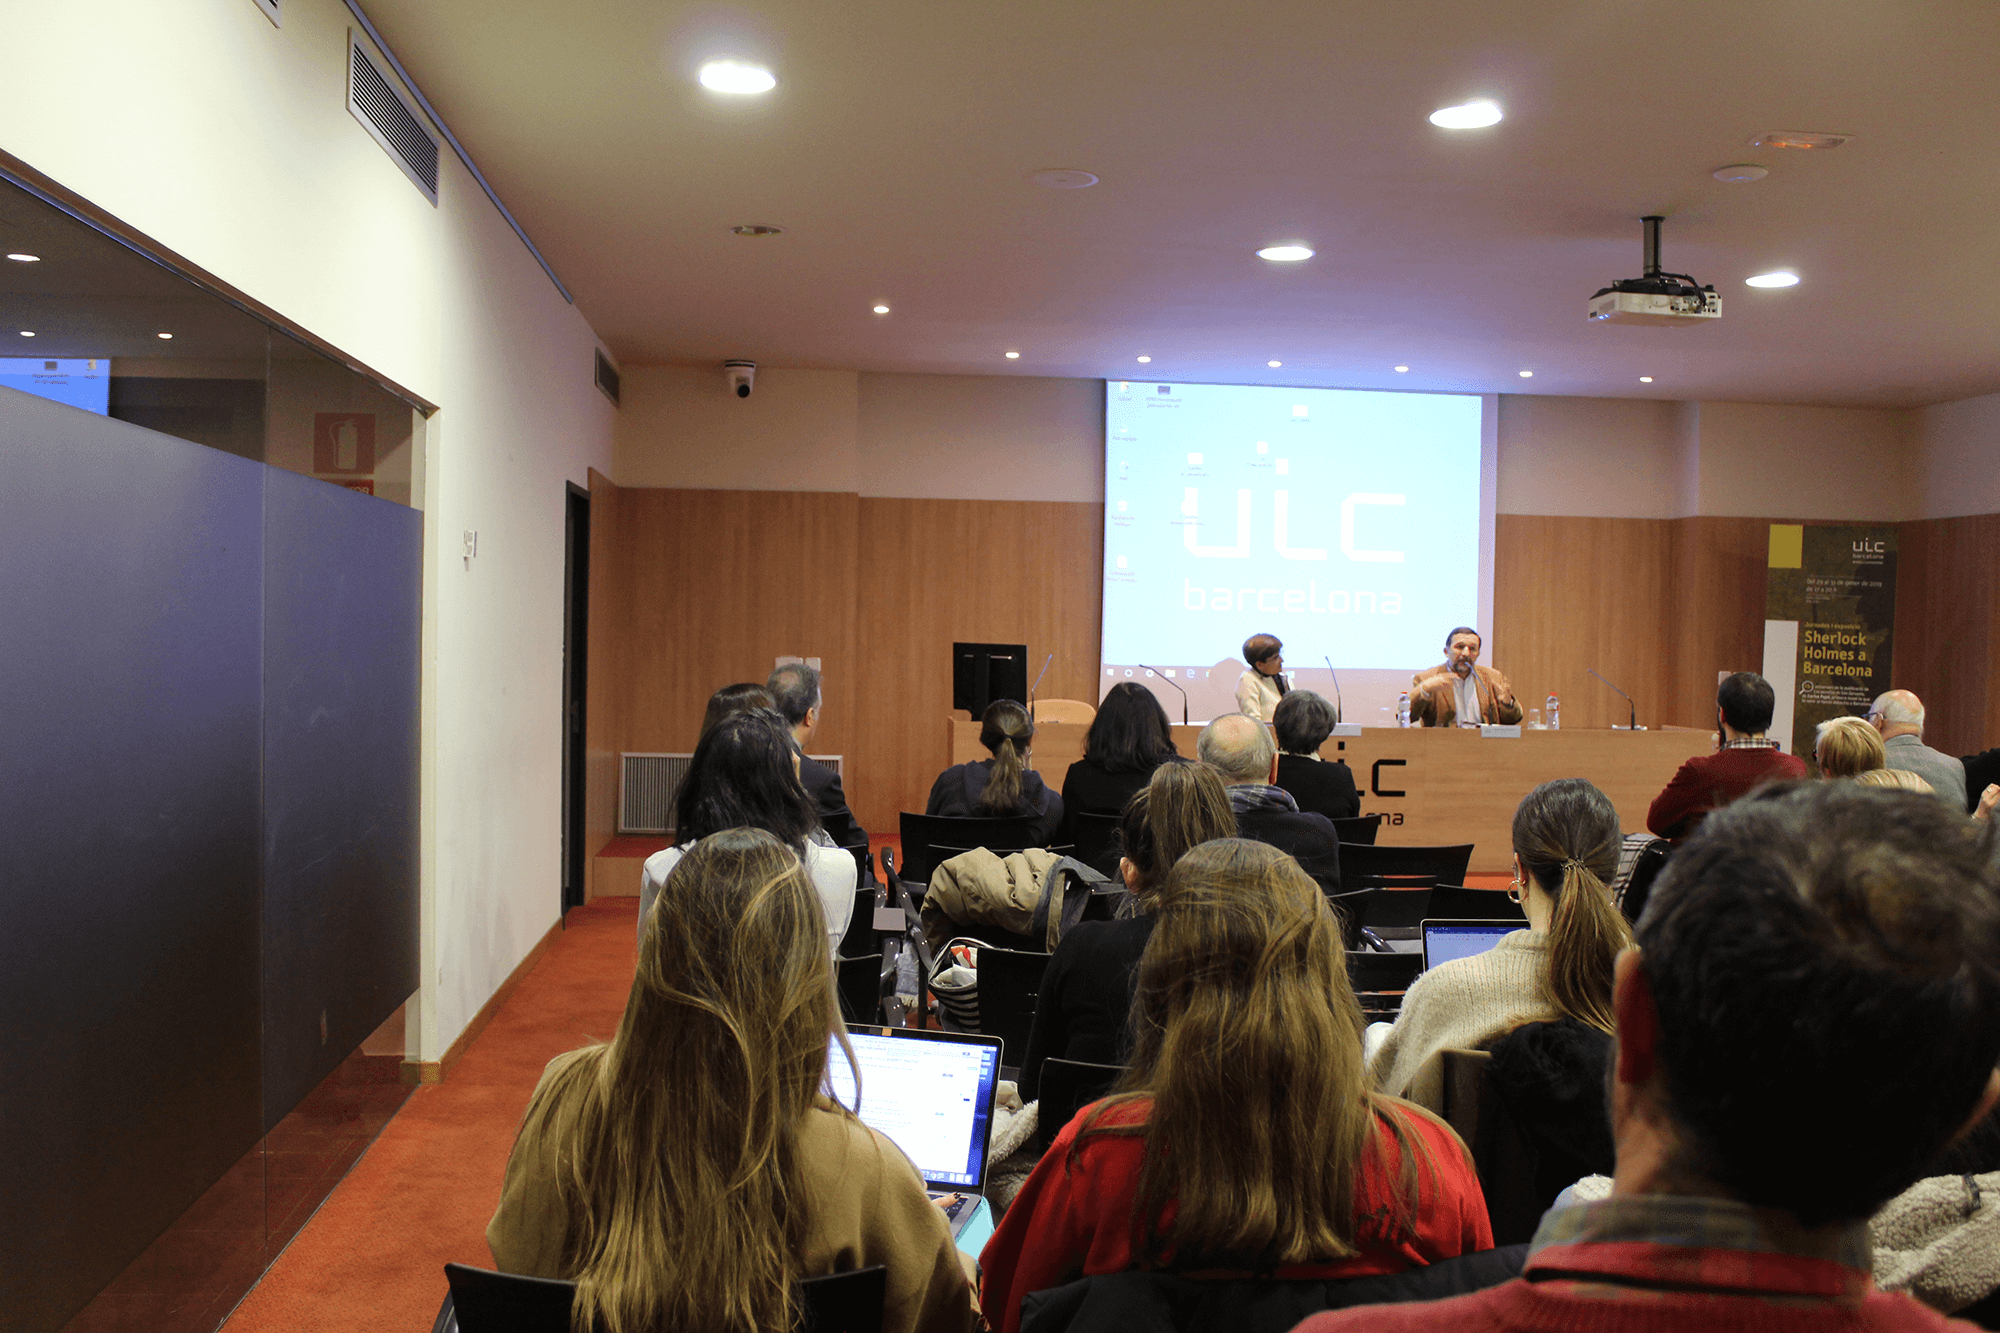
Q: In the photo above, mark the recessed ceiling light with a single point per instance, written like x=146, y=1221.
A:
x=1799, y=139
x=1064, y=178
x=757, y=229
x=1402, y=370
x=1274, y=364
x=1645, y=379
x=1740, y=174
x=168, y=336
x=1473, y=115
x=1013, y=356
x=1779, y=279
x=1145, y=360
x=1527, y=374
x=26, y=259
x=736, y=76
x=881, y=310
x=27, y=333
x=1285, y=254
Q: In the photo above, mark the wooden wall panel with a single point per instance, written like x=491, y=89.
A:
x=721, y=583
x=604, y=686
x=935, y=572
x=1948, y=626
x=1714, y=620
x=1570, y=594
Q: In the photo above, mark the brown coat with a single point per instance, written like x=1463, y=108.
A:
x=1434, y=697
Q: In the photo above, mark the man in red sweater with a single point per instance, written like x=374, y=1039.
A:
x=1812, y=1013
x=1745, y=759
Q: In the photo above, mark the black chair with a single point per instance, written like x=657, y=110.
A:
x=1009, y=981
x=1380, y=973
x=858, y=982
x=1351, y=905
x=1452, y=902
x=1360, y=830
x=1646, y=868
x=482, y=1301
x=1097, y=841
x=1367, y=863
x=1067, y=1087
x=1398, y=910
x=929, y=840
x=861, y=936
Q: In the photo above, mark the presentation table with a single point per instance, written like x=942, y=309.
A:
x=1440, y=786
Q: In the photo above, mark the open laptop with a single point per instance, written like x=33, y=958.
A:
x=931, y=1094
x=1446, y=940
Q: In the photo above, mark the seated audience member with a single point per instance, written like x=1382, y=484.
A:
x=1086, y=992
x=1899, y=716
x=796, y=688
x=1304, y=720
x=1240, y=748
x=734, y=699
x=1811, y=1017
x=1846, y=747
x=1744, y=758
x=1566, y=844
x=690, y=1173
x=1262, y=685
x=744, y=774
x=1981, y=772
x=1127, y=740
x=1895, y=779
x=1004, y=785
x=1243, y=1136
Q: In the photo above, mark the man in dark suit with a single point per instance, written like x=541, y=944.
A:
x=794, y=688
x=1241, y=749
x=1746, y=758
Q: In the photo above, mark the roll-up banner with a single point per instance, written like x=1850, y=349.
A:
x=1829, y=625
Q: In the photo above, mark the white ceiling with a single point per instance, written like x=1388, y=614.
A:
x=897, y=148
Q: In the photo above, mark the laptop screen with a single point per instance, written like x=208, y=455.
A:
x=929, y=1093
x=1446, y=940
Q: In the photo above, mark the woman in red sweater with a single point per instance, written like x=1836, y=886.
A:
x=1242, y=1140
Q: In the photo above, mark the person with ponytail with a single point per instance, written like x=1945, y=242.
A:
x=1566, y=841
x=1085, y=998
x=1003, y=785
x=1242, y=1139
x=693, y=1170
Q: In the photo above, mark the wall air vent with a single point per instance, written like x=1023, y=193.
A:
x=650, y=784
x=389, y=119
x=607, y=377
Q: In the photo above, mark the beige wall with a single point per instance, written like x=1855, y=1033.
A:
x=1813, y=462
x=228, y=140
x=1958, y=458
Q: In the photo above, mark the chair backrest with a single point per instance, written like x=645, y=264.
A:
x=1351, y=905
x=1397, y=907
x=1097, y=844
x=1372, y=973
x=1067, y=1087
x=1471, y=1104
x=1646, y=868
x=1064, y=710
x=483, y=1301
x=1360, y=864
x=1009, y=981
x=1360, y=830
x=860, y=936
x=1452, y=902
x=930, y=839
x=858, y=981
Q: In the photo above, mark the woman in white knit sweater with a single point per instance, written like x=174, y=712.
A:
x=1566, y=839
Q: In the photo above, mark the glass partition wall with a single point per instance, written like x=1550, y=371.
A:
x=210, y=587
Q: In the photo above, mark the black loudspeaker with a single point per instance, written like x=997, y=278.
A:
x=983, y=672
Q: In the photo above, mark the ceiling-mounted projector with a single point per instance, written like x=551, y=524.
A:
x=1657, y=298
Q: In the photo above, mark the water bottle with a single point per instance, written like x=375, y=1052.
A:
x=1554, y=713
x=1403, y=710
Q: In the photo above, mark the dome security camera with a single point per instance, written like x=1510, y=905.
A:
x=742, y=376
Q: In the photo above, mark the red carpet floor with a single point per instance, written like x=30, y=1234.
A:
x=372, y=1258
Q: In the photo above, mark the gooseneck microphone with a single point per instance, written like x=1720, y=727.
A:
x=1336, y=688
x=1038, y=684
x=1163, y=676
x=1616, y=690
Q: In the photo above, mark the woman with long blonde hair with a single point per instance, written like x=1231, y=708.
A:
x=1566, y=840
x=690, y=1172
x=1242, y=1138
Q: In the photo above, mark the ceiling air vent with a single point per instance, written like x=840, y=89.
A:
x=388, y=118
x=607, y=377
